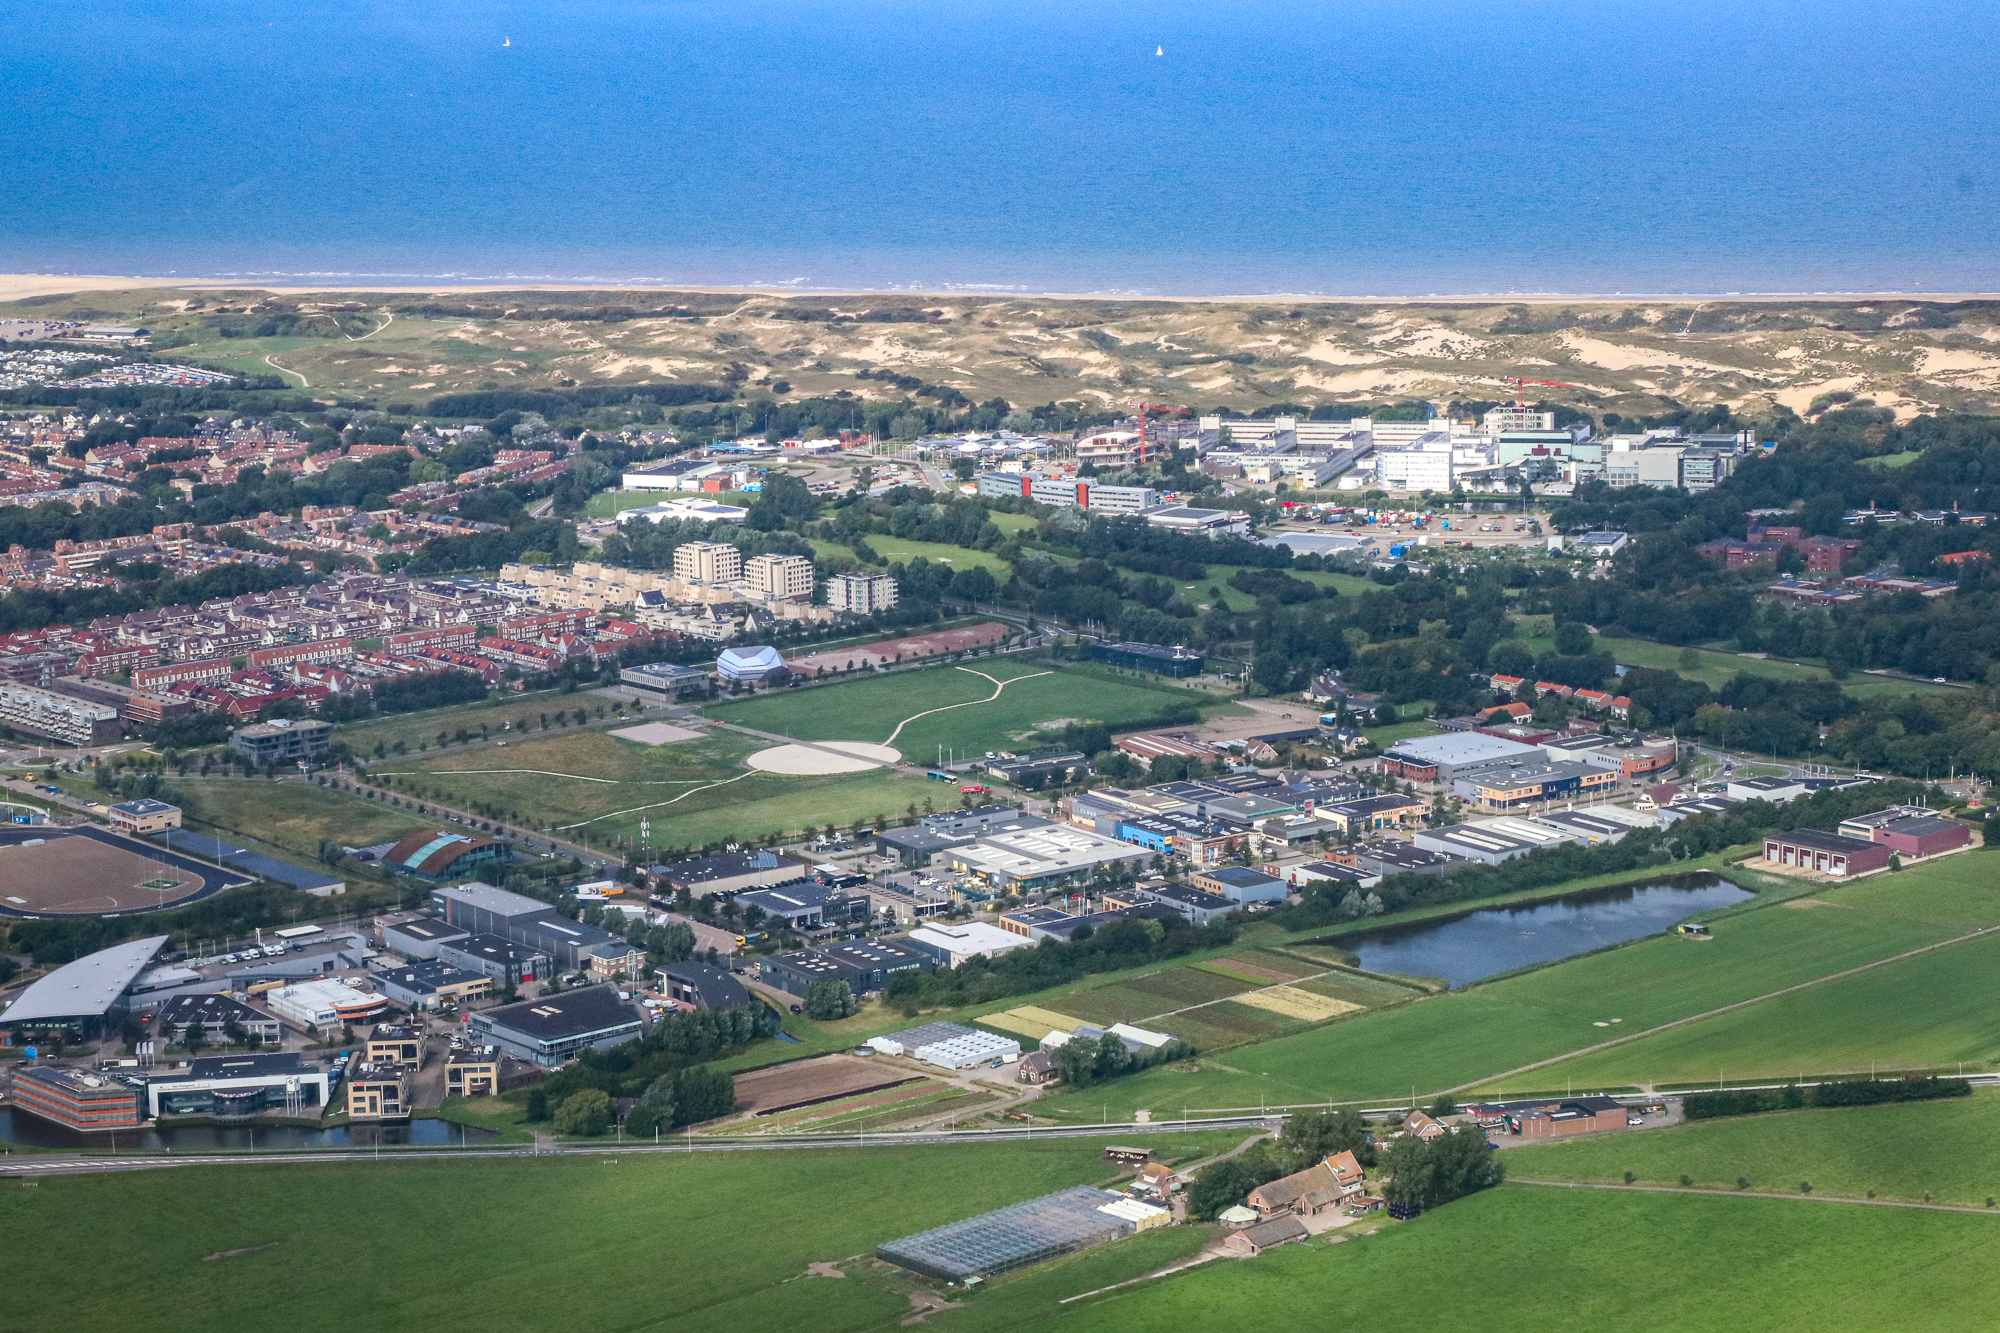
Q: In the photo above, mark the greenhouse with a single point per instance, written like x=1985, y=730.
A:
x=1008, y=1238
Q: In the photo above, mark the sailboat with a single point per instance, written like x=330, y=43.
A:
x=506, y=41
x=1159, y=50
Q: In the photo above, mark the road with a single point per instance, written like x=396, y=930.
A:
x=27, y=1167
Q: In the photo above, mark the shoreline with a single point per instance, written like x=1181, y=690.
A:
x=24, y=286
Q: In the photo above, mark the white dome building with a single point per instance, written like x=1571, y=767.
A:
x=751, y=666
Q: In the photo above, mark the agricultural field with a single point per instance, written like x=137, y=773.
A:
x=208, y=1247
x=294, y=818
x=691, y=793
x=1468, y=1037
x=1947, y=1150
x=1036, y=696
x=1538, y=1260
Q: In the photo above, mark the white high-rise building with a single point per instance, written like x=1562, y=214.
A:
x=780, y=575
x=707, y=562
x=862, y=594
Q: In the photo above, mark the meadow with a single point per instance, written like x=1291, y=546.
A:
x=421, y=728
x=476, y=1244
x=902, y=550
x=294, y=818
x=1946, y=1150
x=1470, y=1036
x=691, y=793
x=1715, y=668
x=1577, y=1261
x=870, y=708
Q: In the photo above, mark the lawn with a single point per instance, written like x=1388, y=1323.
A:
x=421, y=728
x=295, y=817
x=691, y=794
x=902, y=550
x=1459, y=1038
x=335, y=1245
x=605, y=504
x=1946, y=1150
x=869, y=709
x=1715, y=668
x=1553, y=1261
x=1218, y=577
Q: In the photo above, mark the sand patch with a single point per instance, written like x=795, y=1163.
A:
x=656, y=733
x=824, y=757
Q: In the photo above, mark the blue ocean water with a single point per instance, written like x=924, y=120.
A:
x=1353, y=147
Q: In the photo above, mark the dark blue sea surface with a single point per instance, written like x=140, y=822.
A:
x=1358, y=147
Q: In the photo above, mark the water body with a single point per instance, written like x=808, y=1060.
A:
x=1368, y=146
x=1501, y=939
x=38, y=1133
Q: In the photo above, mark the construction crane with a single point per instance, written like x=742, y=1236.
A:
x=1154, y=407
x=1520, y=387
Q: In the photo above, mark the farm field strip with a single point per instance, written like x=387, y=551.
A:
x=1300, y=1004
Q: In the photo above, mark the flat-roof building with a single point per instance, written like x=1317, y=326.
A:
x=1825, y=853
x=954, y=942
x=430, y=984
x=703, y=986
x=1197, y=905
x=235, y=1087
x=1160, y=659
x=217, y=1015
x=145, y=815
x=283, y=740
x=1037, y=859
x=508, y=962
x=1240, y=885
x=806, y=904
x=422, y=939
x=320, y=1004
x=1438, y=758
x=865, y=965
x=555, y=1029
x=730, y=872
x=669, y=681
x=76, y=1098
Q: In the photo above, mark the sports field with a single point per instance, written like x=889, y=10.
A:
x=1948, y=1150
x=1579, y=1261
x=90, y=872
x=1467, y=1036
x=691, y=793
x=334, y=1245
x=872, y=709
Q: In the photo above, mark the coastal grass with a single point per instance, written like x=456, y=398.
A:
x=1537, y=1260
x=208, y=1247
x=1947, y=1151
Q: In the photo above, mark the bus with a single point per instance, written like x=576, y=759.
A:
x=939, y=775
x=297, y=932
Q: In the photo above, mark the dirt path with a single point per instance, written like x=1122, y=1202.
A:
x=999, y=686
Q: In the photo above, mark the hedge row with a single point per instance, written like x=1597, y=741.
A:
x=1871, y=1092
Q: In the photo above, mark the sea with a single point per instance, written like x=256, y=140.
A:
x=1141, y=147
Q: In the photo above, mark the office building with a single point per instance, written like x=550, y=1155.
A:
x=144, y=816
x=667, y=681
x=1160, y=659
x=237, y=1087
x=555, y=1029
x=507, y=962
x=76, y=1098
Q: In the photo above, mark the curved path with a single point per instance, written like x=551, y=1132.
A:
x=658, y=804
x=998, y=687
x=304, y=383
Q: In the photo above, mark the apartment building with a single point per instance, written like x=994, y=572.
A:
x=707, y=562
x=779, y=575
x=861, y=594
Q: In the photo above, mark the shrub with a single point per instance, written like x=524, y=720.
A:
x=585, y=1113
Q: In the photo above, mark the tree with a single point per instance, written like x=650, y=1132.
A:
x=656, y=1108
x=586, y=1113
x=1075, y=1063
x=1572, y=639
x=1312, y=1136
x=702, y=1093
x=1218, y=1187
x=1456, y=1163
x=829, y=999
x=194, y=1038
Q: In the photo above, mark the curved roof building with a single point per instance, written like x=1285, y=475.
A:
x=751, y=666
x=442, y=854
x=86, y=995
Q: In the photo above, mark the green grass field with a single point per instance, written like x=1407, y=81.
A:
x=1716, y=668
x=605, y=504
x=588, y=781
x=870, y=709
x=1555, y=1261
x=473, y=1244
x=901, y=550
x=295, y=817
x=414, y=729
x=1459, y=1038
x=1948, y=1151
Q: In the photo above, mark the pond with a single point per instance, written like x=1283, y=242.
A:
x=1481, y=944
x=38, y=1133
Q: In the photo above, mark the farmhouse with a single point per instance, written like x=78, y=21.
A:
x=1253, y=1241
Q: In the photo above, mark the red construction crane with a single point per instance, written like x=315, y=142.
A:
x=1520, y=387
x=1154, y=407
